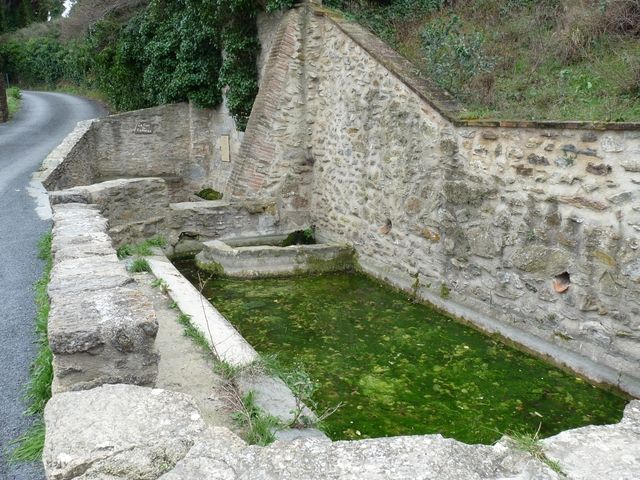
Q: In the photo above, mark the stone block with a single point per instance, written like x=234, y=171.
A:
x=266, y=260
x=221, y=455
x=118, y=432
x=74, y=276
x=104, y=336
x=599, y=452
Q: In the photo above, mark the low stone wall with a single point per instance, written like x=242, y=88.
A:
x=70, y=163
x=269, y=261
x=101, y=327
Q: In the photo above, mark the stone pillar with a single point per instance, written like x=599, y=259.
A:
x=4, y=108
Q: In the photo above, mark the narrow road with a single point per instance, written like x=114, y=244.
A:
x=42, y=123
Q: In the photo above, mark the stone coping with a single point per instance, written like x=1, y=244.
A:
x=441, y=100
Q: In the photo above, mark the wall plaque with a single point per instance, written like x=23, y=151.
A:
x=143, y=128
x=225, y=152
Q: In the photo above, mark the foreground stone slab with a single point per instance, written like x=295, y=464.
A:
x=599, y=452
x=220, y=455
x=118, y=432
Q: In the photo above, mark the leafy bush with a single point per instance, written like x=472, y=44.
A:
x=453, y=57
x=170, y=52
x=14, y=92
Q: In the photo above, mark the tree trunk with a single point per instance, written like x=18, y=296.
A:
x=4, y=108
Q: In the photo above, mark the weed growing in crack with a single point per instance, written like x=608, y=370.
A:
x=260, y=427
x=162, y=285
x=143, y=249
x=530, y=443
x=193, y=333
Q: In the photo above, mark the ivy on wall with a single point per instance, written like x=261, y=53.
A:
x=179, y=50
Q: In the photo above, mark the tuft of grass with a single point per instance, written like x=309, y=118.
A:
x=193, y=333
x=260, y=427
x=530, y=443
x=139, y=265
x=29, y=447
x=162, y=285
x=226, y=370
x=143, y=249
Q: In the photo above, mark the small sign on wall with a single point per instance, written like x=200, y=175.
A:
x=143, y=128
x=225, y=151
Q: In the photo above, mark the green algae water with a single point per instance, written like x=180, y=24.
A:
x=401, y=368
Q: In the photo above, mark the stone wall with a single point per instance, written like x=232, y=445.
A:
x=491, y=218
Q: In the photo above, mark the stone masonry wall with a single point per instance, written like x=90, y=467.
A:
x=484, y=217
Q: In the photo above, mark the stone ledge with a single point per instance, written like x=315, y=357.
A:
x=134, y=207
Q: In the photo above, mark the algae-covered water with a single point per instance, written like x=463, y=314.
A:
x=401, y=368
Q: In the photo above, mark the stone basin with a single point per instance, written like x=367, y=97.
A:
x=230, y=258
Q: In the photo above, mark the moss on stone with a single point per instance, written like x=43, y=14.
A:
x=343, y=261
x=213, y=268
x=209, y=194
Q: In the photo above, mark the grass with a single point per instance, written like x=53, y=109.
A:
x=547, y=59
x=193, y=333
x=29, y=446
x=139, y=265
x=142, y=249
x=530, y=443
x=14, y=100
x=259, y=427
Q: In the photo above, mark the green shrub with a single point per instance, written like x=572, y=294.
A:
x=14, y=92
x=139, y=265
x=453, y=57
x=169, y=52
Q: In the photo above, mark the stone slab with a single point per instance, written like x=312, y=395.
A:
x=78, y=275
x=597, y=452
x=118, y=432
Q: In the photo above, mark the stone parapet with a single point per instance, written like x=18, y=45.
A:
x=101, y=327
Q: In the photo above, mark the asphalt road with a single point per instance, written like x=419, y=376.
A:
x=42, y=123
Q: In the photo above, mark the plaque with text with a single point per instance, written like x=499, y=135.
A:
x=143, y=128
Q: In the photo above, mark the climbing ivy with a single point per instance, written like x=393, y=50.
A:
x=172, y=51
